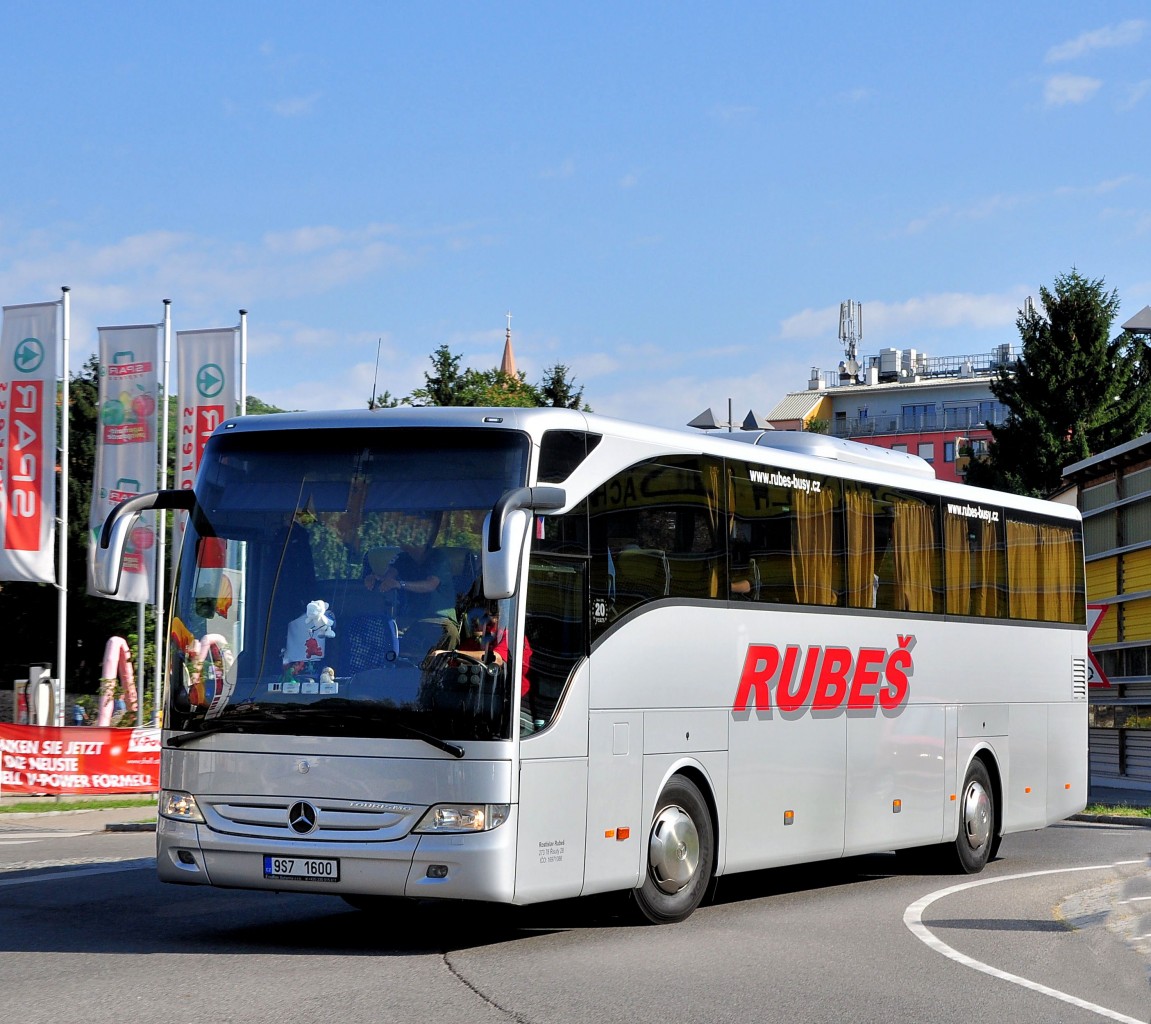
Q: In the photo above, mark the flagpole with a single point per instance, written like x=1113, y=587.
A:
x=161, y=530
x=62, y=502
x=243, y=362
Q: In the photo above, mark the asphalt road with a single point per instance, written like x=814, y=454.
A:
x=1057, y=929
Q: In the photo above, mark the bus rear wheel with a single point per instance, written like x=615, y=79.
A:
x=976, y=840
x=680, y=854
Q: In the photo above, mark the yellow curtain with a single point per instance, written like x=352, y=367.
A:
x=1023, y=557
x=913, y=534
x=812, y=547
x=957, y=564
x=860, y=520
x=1058, y=596
x=987, y=584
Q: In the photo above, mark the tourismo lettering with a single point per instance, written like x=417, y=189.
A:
x=828, y=678
x=25, y=467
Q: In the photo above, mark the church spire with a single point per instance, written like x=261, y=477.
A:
x=508, y=363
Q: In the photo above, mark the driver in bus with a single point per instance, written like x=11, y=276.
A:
x=482, y=635
x=420, y=577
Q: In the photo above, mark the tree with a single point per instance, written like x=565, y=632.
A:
x=558, y=392
x=443, y=385
x=1074, y=391
x=254, y=406
x=446, y=384
x=384, y=401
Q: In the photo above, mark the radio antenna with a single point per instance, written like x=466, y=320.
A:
x=375, y=376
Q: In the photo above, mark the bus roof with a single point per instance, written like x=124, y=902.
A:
x=791, y=449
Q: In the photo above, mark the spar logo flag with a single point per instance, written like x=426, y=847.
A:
x=206, y=386
x=126, y=450
x=206, y=389
x=28, y=354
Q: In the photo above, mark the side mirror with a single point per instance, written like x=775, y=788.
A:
x=501, y=567
x=505, y=531
x=109, y=559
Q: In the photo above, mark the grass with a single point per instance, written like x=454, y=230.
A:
x=34, y=806
x=1121, y=810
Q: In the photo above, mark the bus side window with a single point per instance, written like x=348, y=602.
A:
x=657, y=530
x=1044, y=570
x=556, y=628
x=784, y=539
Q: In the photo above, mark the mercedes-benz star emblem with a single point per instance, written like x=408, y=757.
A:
x=302, y=818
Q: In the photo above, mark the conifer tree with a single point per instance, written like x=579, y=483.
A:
x=1075, y=391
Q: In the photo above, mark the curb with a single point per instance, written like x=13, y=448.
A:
x=131, y=826
x=1141, y=821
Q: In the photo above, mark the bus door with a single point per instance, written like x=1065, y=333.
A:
x=553, y=784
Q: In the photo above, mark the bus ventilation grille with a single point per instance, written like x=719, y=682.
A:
x=1079, y=679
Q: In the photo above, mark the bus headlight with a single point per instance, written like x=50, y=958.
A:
x=179, y=806
x=463, y=818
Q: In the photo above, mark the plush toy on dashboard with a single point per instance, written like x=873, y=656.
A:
x=307, y=634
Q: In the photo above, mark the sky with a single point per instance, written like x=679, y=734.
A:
x=672, y=200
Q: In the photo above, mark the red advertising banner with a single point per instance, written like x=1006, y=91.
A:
x=78, y=760
x=28, y=357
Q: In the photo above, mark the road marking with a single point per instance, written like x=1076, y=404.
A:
x=79, y=872
x=913, y=918
x=37, y=837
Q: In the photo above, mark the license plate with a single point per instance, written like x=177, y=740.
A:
x=302, y=869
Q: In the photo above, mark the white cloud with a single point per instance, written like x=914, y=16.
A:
x=1061, y=90
x=1135, y=94
x=893, y=320
x=296, y=106
x=565, y=169
x=1126, y=33
x=1100, y=188
x=730, y=113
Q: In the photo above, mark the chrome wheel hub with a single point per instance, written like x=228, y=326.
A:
x=976, y=815
x=673, y=851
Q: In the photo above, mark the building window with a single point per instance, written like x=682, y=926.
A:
x=948, y=451
x=899, y=448
x=919, y=417
x=927, y=451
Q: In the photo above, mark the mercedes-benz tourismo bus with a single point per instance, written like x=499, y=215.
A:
x=524, y=654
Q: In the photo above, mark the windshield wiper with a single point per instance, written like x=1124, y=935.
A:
x=320, y=711
x=445, y=745
x=224, y=725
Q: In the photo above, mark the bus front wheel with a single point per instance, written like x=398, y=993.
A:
x=680, y=854
x=976, y=840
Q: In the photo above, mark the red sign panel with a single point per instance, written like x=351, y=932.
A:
x=1096, y=677
x=44, y=760
x=26, y=469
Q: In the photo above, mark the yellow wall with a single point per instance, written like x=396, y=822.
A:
x=1137, y=571
x=1101, y=579
x=1136, y=621
x=823, y=411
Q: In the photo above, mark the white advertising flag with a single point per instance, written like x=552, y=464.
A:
x=126, y=450
x=206, y=388
x=28, y=357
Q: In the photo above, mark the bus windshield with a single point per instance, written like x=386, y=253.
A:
x=331, y=586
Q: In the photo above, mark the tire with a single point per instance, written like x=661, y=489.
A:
x=680, y=855
x=976, y=840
